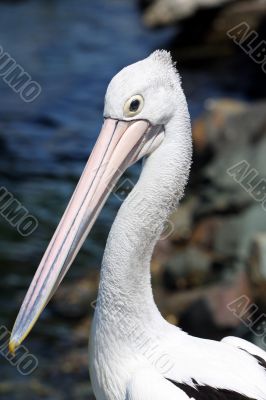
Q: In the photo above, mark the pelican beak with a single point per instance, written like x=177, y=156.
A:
x=119, y=145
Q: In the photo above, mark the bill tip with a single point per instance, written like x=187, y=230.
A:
x=13, y=345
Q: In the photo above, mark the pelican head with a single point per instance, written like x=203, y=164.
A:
x=145, y=90
x=140, y=101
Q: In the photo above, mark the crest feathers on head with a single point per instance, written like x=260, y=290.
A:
x=164, y=58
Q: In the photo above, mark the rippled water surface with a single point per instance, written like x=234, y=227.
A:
x=72, y=48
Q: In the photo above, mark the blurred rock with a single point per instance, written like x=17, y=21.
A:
x=229, y=214
x=235, y=235
x=204, y=311
x=234, y=138
x=220, y=296
x=208, y=130
x=205, y=231
x=72, y=300
x=202, y=25
x=182, y=219
x=252, y=12
x=225, y=224
x=257, y=260
x=229, y=122
x=198, y=320
x=165, y=12
x=186, y=269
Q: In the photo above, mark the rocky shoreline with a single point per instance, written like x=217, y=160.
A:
x=219, y=243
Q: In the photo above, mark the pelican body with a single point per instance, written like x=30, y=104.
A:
x=134, y=353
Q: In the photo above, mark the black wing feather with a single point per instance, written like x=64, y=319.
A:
x=205, y=392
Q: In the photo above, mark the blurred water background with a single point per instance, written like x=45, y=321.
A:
x=73, y=49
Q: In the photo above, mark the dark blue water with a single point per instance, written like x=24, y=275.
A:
x=72, y=48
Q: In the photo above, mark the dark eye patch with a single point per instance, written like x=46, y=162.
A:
x=134, y=105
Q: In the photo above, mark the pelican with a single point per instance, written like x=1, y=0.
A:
x=134, y=353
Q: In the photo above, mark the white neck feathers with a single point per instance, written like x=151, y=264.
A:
x=125, y=274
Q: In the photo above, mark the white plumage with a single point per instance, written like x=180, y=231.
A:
x=134, y=353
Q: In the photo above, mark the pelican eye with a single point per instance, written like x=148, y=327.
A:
x=133, y=106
